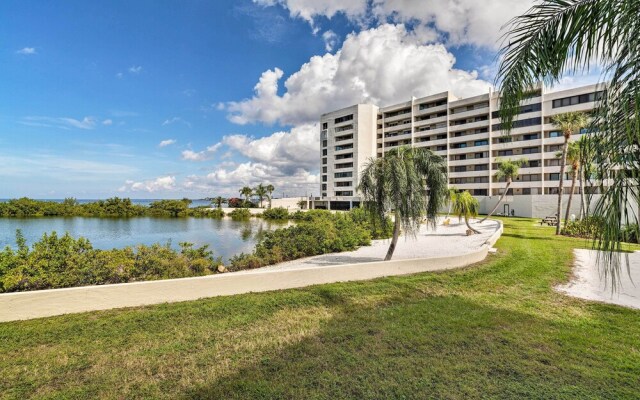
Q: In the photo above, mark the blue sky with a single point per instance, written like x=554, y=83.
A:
x=153, y=99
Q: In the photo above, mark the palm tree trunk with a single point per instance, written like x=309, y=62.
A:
x=573, y=186
x=394, y=239
x=466, y=221
x=582, y=200
x=560, y=186
x=506, y=189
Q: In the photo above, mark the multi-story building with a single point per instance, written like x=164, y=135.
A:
x=466, y=132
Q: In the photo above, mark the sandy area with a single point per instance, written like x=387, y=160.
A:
x=443, y=241
x=588, y=282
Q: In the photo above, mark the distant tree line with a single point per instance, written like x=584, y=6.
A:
x=114, y=207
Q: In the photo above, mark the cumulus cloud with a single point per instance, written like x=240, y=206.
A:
x=383, y=65
x=203, y=155
x=107, y=122
x=330, y=40
x=166, y=142
x=167, y=183
x=60, y=122
x=27, y=51
x=135, y=69
x=458, y=22
x=308, y=10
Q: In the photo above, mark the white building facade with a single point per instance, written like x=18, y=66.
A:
x=467, y=133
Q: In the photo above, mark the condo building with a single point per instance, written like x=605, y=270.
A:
x=466, y=132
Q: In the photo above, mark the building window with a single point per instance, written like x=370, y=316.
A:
x=523, y=109
x=526, y=191
x=342, y=184
x=573, y=100
x=480, y=192
x=324, y=161
x=520, y=123
x=554, y=177
x=324, y=152
x=343, y=156
x=344, y=147
x=343, y=175
x=505, y=139
x=502, y=153
x=460, y=169
x=344, y=128
x=344, y=165
x=346, y=137
x=324, y=178
x=324, y=143
x=533, y=164
x=325, y=125
x=459, y=146
x=345, y=193
x=481, y=155
x=481, y=179
x=532, y=136
x=324, y=186
x=343, y=119
x=555, y=134
x=481, y=143
x=441, y=148
x=530, y=150
x=324, y=170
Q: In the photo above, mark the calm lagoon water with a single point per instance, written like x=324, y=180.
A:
x=224, y=236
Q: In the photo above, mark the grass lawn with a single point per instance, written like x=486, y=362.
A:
x=494, y=330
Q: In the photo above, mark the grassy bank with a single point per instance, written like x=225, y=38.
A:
x=493, y=330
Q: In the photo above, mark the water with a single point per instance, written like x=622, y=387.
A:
x=225, y=237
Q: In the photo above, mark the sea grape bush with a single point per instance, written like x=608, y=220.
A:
x=62, y=261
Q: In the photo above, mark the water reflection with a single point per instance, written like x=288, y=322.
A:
x=225, y=237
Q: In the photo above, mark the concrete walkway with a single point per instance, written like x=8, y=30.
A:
x=446, y=253
x=590, y=284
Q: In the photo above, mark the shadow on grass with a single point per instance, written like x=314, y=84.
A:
x=433, y=347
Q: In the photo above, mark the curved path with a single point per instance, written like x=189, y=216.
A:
x=446, y=248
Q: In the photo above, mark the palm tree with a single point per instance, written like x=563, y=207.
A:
x=568, y=123
x=565, y=36
x=219, y=200
x=246, y=192
x=466, y=206
x=396, y=183
x=573, y=156
x=508, y=170
x=260, y=191
x=270, y=190
x=585, y=173
x=451, y=197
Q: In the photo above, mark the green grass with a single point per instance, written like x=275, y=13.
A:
x=494, y=330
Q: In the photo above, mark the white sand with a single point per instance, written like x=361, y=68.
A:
x=588, y=283
x=444, y=241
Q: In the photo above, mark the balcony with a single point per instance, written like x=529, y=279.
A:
x=470, y=113
x=470, y=125
x=469, y=138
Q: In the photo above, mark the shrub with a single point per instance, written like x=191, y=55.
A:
x=586, y=228
x=235, y=202
x=319, y=233
x=276, y=213
x=170, y=208
x=57, y=262
x=240, y=214
x=206, y=212
x=631, y=233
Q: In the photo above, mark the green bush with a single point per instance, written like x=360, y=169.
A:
x=586, y=228
x=319, y=233
x=206, y=212
x=57, y=262
x=240, y=214
x=276, y=213
x=631, y=233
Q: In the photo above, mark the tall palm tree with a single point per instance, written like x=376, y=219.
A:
x=564, y=36
x=219, y=200
x=568, y=123
x=396, y=183
x=261, y=192
x=467, y=206
x=246, y=192
x=270, y=190
x=508, y=170
x=573, y=157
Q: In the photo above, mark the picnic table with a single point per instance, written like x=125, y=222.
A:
x=550, y=220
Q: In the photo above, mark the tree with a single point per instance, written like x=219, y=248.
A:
x=261, y=192
x=451, y=197
x=568, y=123
x=467, y=206
x=396, y=183
x=246, y=192
x=556, y=37
x=573, y=157
x=302, y=204
x=508, y=170
x=219, y=200
x=270, y=190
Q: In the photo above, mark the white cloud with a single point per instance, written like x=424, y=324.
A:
x=384, y=65
x=203, y=155
x=119, y=75
x=458, y=21
x=330, y=40
x=167, y=183
x=27, y=51
x=309, y=9
x=136, y=69
x=174, y=120
x=166, y=143
x=60, y=122
x=107, y=122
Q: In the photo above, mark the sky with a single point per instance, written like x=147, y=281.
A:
x=194, y=98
